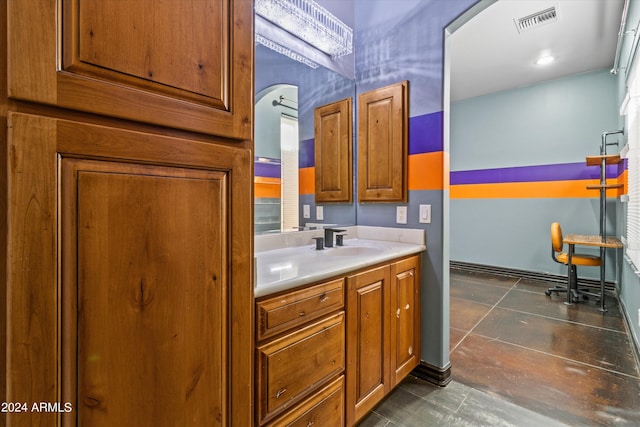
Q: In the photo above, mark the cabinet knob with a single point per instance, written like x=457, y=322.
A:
x=310, y=423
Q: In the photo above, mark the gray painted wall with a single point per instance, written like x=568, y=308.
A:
x=555, y=122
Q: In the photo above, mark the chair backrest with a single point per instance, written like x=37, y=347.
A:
x=556, y=237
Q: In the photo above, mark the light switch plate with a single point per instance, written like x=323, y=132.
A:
x=319, y=213
x=401, y=214
x=306, y=211
x=425, y=214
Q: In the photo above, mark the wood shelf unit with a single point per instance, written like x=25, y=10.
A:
x=604, y=186
x=610, y=159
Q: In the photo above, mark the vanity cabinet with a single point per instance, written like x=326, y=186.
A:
x=300, y=356
x=327, y=353
x=383, y=333
x=126, y=211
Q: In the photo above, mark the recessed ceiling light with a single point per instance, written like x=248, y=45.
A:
x=544, y=60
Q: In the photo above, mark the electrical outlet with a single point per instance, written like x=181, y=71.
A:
x=425, y=214
x=319, y=213
x=401, y=214
x=306, y=211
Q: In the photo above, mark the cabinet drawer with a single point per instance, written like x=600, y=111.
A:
x=280, y=313
x=325, y=408
x=291, y=366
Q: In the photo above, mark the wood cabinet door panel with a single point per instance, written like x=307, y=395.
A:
x=186, y=65
x=188, y=211
x=150, y=285
x=162, y=45
x=368, y=338
x=383, y=144
x=333, y=152
x=405, y=318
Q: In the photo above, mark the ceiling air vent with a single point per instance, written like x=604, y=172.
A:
x=536, y=20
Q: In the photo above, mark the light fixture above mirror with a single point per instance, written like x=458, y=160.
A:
x=304, y=31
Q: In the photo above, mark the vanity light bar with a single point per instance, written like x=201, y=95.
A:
x=310, y=22
x=285, y=51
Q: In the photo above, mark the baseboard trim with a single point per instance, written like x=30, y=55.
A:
x=512, y=272
x=634, y=339
x=433, y=374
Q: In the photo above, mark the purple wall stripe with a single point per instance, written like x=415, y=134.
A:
x=267, y=170
x=557, y=172
x=425, y=133
x=306, y=154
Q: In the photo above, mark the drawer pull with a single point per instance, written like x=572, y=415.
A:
x=323, y=297
x=302, y=314
x=280, y=393
x=398, y=313
x=310, y=423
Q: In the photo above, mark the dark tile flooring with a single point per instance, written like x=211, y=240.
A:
x=520, y=358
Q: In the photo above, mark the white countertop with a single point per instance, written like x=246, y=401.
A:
x=285, y=268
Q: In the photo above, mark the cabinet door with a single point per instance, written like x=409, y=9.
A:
x=405, y=318
x=144, y=313
x=185, y=64
x=333, y=152
x=368, y=376
x=125, y=275
x=383, y=125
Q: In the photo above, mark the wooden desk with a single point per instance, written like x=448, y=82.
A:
x=590, y=240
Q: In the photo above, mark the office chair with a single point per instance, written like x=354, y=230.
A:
x=563, y=258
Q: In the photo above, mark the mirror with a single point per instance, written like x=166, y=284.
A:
x=287, y=93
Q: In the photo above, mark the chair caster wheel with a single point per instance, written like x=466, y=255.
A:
x=547, y=293
x=585, y=297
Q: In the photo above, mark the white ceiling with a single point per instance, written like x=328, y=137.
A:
x=489, y=55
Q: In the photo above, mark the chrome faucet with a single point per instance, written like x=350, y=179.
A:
x=328, y=236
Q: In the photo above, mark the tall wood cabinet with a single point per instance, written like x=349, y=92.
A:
x=126, y=209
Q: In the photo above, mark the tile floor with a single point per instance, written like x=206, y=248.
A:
x=520, y=358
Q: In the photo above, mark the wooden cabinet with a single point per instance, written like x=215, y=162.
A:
x=405, y=343
x=308, y=355
x=292, y=309
x=143, y=255
x=321, y=363
x=128, y=210
x=185, y=65
x=383, y=333
x=368, y=331
x=324, y=408
x=333, y=152
x=383, y=128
